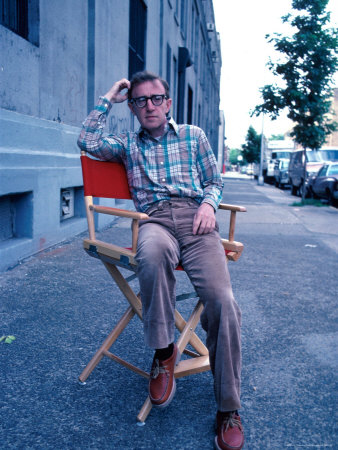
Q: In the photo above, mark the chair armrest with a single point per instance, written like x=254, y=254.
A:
x=232, y=246
x=233, y=249
x=134, y=215
x=119, y=212
x=97, y=248
x=233, y=208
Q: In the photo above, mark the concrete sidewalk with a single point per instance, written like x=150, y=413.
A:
x=61, y=304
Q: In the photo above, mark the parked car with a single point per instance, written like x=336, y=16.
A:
x=269, y=164
x=296, y=169
x=281, y=172
x=329, y=154
x=270, y=167
x=325, y=183
x=249, y=170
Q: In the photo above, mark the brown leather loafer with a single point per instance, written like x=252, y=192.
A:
x=230, y=434
x=162, y=385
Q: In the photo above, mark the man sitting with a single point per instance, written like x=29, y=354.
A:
x=173, y=177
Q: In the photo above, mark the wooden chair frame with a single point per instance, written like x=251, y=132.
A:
x=114, y=257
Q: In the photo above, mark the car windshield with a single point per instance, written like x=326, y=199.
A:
x=333, y=170
x=279, y=155
x=313, y=156
x=329, y=155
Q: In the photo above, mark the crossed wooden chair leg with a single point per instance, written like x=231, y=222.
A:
x=199, y=361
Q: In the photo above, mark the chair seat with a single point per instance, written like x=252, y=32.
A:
x=180, y=267
x=124, y=256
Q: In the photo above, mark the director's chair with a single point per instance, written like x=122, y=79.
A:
x=109, y=180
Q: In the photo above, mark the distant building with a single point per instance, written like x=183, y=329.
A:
x=57, y=57
x=221, y=157
x=332, y=139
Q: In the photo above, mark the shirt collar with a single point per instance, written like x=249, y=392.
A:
x=171, y=124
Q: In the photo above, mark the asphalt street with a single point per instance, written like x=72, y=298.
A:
x=60, y=305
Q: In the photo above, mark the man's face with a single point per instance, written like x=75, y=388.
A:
x=152, y=118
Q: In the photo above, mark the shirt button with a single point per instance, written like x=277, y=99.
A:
x=162, y=162
x=163, y=179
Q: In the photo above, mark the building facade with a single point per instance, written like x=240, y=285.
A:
x=332, y=139
x=57, y=58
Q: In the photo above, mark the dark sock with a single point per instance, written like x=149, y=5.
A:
x=228, y=412
x=164, y=353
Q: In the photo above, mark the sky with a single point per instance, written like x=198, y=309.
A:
x=242, y=25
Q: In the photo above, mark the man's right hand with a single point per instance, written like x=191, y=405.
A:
x=114, y=94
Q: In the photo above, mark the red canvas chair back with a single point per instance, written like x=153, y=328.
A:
x=104, y=179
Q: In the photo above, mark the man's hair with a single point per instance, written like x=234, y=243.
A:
x=141, y=77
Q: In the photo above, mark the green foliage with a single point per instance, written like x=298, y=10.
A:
x=310, y=202
x=7, y=339
x=276, y=137
x=233, y=155
x=310, y=61
x=251, y=149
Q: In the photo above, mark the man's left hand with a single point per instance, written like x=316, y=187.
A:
x=204, y=220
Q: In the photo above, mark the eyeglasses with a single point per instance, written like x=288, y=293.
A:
x=156, y=100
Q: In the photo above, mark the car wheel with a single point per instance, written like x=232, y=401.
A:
x=293, y=188
x=313, y=194
x=329, y=195
x=303, y=189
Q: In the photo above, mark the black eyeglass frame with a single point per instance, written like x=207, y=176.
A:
x=143, y=98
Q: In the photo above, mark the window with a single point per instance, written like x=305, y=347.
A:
x=16, y=216
x=313, y=156
x=174, y=90
x=137, y=36
x=322, y=171
x=329, y=155
x=183, y=18
x=278, y=155
x=192, y=31
x=67, y=203
x=333, y=170
x=176, y=11
x=196, y=33
x=168, y=64
x=71, y=203
x=298, y=157
x=190, y=105
x=202, y=58
x=21, y=17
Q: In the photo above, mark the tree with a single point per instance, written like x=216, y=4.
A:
x=233, y=155
x=310, y=61
x=251, y=149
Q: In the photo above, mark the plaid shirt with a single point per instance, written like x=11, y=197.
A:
x=179, y=164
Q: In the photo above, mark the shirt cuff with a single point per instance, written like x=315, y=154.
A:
x=103, y=105
x=211, y=202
